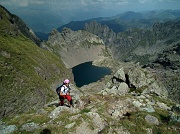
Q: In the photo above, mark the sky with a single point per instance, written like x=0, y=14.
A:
x=64, y=11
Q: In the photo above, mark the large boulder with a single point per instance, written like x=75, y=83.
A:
x=145, y=81
x=117, y=85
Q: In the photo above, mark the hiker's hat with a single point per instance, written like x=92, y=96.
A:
x=66, y=81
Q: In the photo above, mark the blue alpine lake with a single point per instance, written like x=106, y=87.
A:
x=86, y=73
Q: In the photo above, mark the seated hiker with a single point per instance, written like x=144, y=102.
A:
x=65, y=93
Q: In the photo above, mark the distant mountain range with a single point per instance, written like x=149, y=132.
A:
x=128, y=20
x=123, y=22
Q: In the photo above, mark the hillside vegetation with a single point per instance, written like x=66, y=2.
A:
x=28, y=74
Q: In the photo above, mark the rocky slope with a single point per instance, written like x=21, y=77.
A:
x=106, y=106
x=156, y=48
x=76, y=47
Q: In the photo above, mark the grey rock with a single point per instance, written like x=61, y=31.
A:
x=118, y=130
x=54, y=114
x=175, y=113
x=7, y=129
x=70, y=125
x=137, y=104
x=150, y=101
x=98, y=122
x=30, y=126
x=163, y=106
x=149, y=131
x=151, y=119
x=75, y=47
x=84, y=128
x=149, y=109
x=175, y=117
x=145, y=80
x=123, y=88
x=120, y=74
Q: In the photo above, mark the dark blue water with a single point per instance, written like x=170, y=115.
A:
x=86, y=73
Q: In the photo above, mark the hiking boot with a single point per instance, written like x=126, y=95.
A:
x=72, y=105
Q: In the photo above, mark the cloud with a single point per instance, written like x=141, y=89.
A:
x=21, y=3
x=91, y=5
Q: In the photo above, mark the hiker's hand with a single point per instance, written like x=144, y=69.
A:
x=68, y=93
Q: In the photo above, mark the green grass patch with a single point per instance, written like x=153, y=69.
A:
x=85, y=110
x=28, y=118
x=167, y=101
x=136, y=123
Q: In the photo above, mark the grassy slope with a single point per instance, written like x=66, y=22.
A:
x=27, y=72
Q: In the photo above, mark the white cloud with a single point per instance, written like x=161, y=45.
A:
x=21, y=3
x=91, y=5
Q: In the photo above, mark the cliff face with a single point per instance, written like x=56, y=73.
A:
x=76, y=47
x=133, y=45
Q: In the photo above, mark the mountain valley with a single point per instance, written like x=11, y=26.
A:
x=141, y=95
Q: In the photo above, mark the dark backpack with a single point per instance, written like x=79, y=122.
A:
x=58, y=89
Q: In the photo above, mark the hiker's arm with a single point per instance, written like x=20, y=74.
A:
x=68, y=93
x=61, y=93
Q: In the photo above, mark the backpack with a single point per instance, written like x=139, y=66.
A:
x=58, y=89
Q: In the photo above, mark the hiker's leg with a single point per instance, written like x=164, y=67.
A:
x=61, y=100
x=69, y=98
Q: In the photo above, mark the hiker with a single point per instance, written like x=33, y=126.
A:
x=64, y=93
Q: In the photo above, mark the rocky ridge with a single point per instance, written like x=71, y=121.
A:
x=76, y=47
x=17, y=26
x=138, y=45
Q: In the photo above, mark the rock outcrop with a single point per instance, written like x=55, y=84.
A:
x=137, y=78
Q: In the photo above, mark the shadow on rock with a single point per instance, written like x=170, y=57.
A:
x=45, y=131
